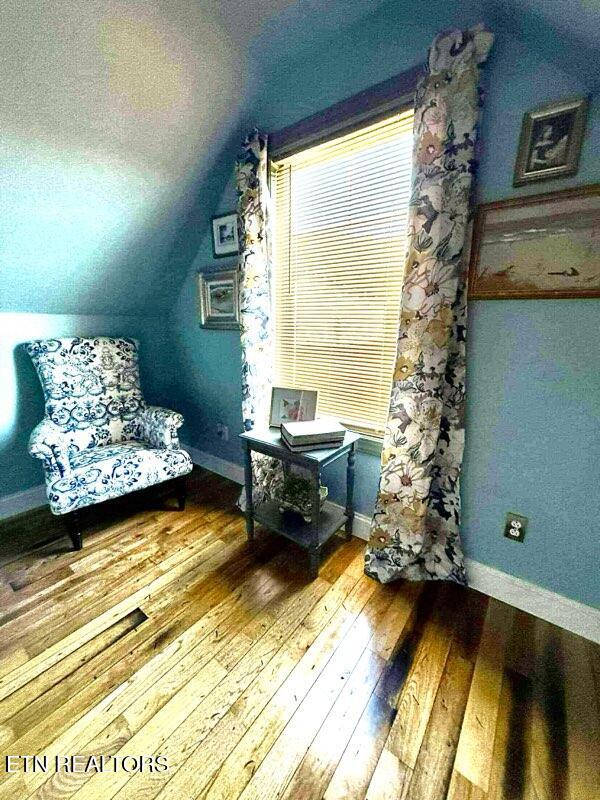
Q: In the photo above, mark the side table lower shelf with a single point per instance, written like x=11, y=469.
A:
x=293, y=527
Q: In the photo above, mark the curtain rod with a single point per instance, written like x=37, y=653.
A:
x=376, y=102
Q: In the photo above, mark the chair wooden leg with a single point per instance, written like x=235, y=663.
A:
x=73, y=523
x=181, y=492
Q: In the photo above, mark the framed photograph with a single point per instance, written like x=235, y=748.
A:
x=543, y=246
x=219, y=301
x=225, y=235
x=550, y=141
x=292, y=405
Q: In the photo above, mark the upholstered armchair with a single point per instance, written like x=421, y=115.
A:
x=99, y=439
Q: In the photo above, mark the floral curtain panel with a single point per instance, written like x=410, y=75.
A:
x=415, y=526
x=251, y=174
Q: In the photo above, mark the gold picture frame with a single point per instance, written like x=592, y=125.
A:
x=550, y=141
x=543, y=246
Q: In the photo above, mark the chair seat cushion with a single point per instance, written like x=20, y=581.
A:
x=101, y=473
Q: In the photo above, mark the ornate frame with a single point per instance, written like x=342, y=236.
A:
x=522, y=176
x=204, y=279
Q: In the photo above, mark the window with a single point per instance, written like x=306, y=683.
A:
x=340, y=238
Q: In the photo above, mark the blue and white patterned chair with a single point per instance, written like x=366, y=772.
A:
x=99, y=439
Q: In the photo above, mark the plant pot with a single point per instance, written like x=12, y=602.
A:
x=295, y=494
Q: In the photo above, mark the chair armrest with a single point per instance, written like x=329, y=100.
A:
x=49, y=442
x=158, y=426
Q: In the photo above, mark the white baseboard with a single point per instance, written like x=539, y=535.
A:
x=19, y=502
x=562, y=611
x=228, y=469
x=361, y=526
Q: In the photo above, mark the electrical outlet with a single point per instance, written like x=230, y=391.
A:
x=222, y=432
x=515, y=526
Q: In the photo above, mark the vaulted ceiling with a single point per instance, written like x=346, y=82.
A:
x=565, y=32
x=576, y=21
x=112, y=114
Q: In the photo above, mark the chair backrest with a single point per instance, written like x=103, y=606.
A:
x=90, y=385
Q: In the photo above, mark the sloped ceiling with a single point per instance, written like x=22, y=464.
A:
x=577, y=21
x=114, y=114
x=564, y=32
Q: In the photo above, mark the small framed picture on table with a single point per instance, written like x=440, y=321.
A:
x=292, y=405
x=225, y=235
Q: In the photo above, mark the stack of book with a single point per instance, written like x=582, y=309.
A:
x=318, y=434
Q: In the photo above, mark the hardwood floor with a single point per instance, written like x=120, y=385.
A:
x=166, y=635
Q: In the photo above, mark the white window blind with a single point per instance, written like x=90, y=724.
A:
x=340, y=240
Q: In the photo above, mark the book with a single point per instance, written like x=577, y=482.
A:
x=305, y=448
x=313, y=432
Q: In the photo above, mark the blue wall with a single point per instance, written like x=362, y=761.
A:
x=534, y=403
x=533, y=440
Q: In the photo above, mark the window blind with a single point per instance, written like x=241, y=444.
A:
x=340, y=239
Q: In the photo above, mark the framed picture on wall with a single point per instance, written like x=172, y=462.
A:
x=219, y=301
x=543, y=246
x=550, y=141
x=225, y=235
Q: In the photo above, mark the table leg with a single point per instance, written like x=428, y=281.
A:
x=248, y=485
x=350, y=493
x=313, y=553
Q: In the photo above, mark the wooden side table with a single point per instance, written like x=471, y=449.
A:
x=324, y=522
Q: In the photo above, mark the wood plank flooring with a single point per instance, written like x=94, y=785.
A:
x=167, y=636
